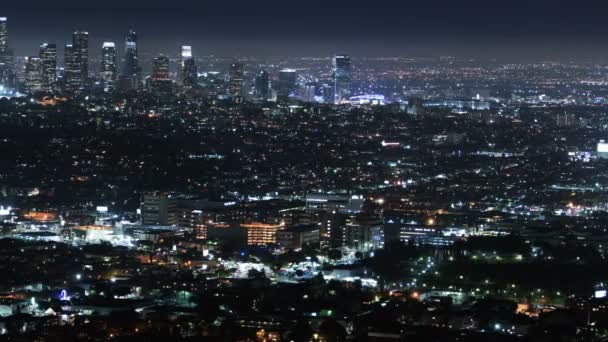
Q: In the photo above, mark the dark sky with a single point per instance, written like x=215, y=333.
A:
x=509, y=29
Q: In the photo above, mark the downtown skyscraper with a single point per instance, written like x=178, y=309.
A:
x=287, y=84
x=34, y=78
x=235, y=87
x=48, y=60
x=3, y=34
x=262, y=85
x=108, y=66
x=342, y=68
x=7, y=64
x=76, y=71
x=131, y=72
x=189, y=71
x=160, y=82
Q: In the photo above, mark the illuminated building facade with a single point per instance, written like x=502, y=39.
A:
x=3, y=34
x=80, y=43
x=189, y=71
x=261, y=233
x=235, y=88
x=160, y=68
x=262, y=85
x=342, y=78
x=131, y=72
x=160, y=82
x=287, y=84
x=108, y=66
x=48, y=59
x=7, y=67
x=33, y=74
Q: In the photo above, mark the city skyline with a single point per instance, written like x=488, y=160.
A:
x=266, y=171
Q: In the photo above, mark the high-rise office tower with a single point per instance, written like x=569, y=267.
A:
x=189, y=71
x=7, y=65
x=131, y=72
x=235, y=85
x=160, y=68
x=3, y=34
x=80, y=45
x=327, y=91
x=262, y=85
x=48, y=60
x=287, y=84
x=33, y=74
x=160, y=82
x=342, y=78
x=108, y=66
x=71, y=72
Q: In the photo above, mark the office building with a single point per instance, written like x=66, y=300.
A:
x=159, y=209
x=3, y=34
x=160, y=82
x=80, y=43
x=76, y=62
x=261, y=234
x=108, y=66
x=48, y=60
x=235, y=86
x=262, y=85
x=7, y=64
x=287, y=84
x=33, y=74
x=342, y=78
x=160, y=68
x=298, y=236
x=130, y=78
x=189, y=71
x=70, y=70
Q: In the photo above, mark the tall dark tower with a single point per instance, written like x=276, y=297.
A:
x=160, y=69
x=3, y=35
x=48, y=61
x=342, y=78
x=131, y=72
x=71, y=73
x=160, y=82
x=108, y=66
x=287, y=84
x=7, y=64
x=80, y=45
x=189, y=71
x=236, y=80
x=262, y=85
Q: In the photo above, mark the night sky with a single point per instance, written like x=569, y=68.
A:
x=505, y=29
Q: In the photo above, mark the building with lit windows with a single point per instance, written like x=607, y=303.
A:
x=7, y=62
x=108, y=66
x=287, y=84
x=130, y=78
x=342, y=78
x=160, y=83
x=33, y=74
x=189, y=70
x=262, y=85
x=235, y=86
x=80, y=44
x=261, y=233
x=159, y=209
x=48, y=60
